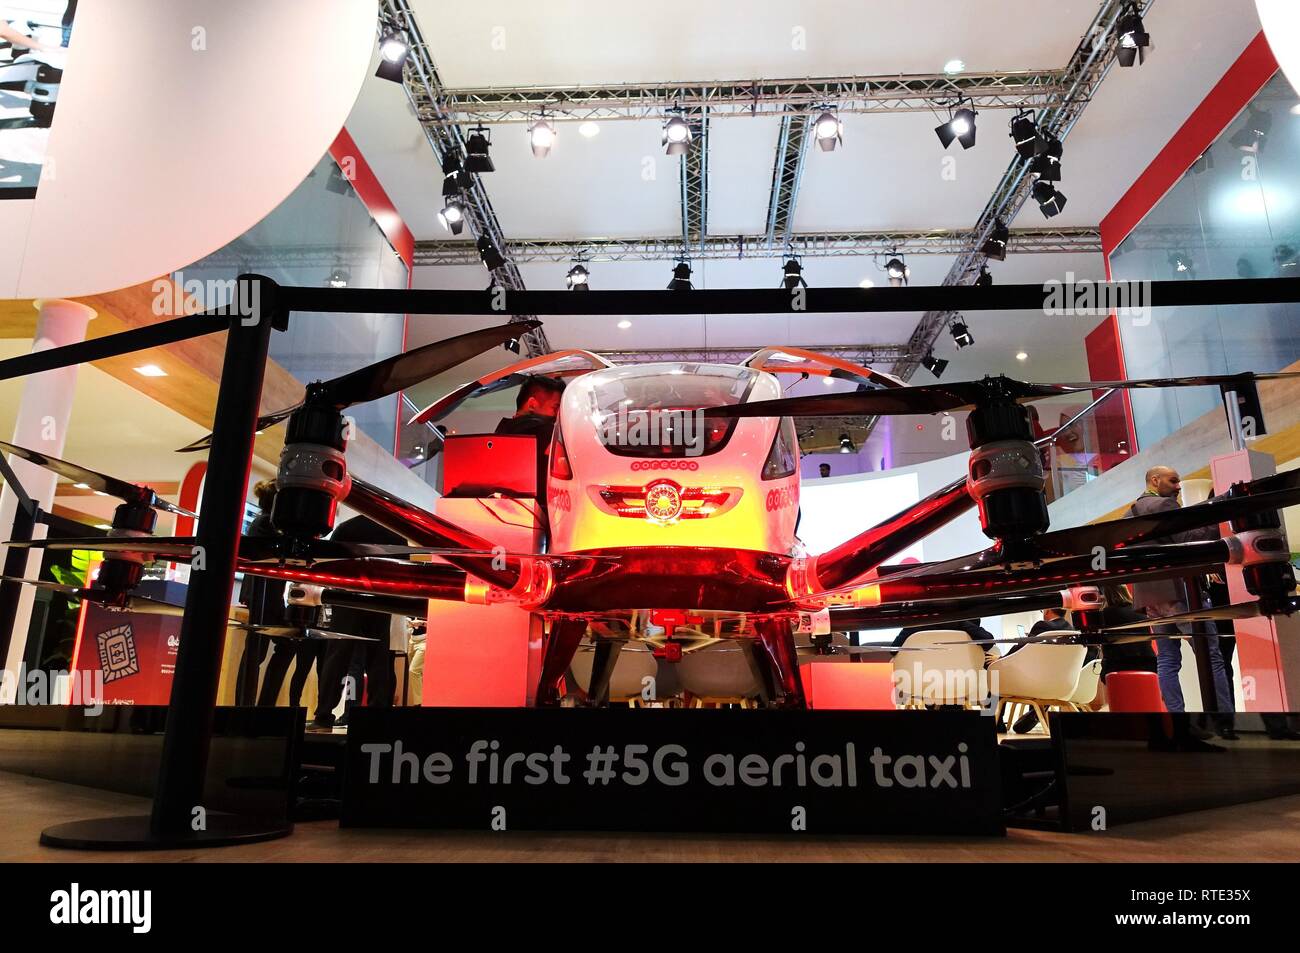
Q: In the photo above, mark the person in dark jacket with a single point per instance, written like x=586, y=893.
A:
x=1166, y=597
x=374, y=658
x=264, y=599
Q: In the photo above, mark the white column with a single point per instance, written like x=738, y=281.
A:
x=42, y=425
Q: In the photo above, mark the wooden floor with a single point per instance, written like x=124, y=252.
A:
x=1262, y=831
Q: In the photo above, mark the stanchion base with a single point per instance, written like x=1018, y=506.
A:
x=134, y=833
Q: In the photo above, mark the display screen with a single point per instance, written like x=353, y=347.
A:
x=34, y=37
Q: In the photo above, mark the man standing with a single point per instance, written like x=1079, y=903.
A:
x=1167, y=597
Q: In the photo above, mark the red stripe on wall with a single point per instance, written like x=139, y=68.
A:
x=366, y=184
x=1239, y=84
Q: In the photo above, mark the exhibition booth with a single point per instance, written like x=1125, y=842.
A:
x=323, y=504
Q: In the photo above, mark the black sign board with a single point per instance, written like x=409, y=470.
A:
x=673, y=770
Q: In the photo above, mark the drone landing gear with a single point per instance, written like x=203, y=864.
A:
x=776, y=636
x=561, y=645
x=602, y=669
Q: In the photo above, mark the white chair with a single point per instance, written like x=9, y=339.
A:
x=1089, y=681
x=1038, y=676
x=939, y=667
x=718, y=674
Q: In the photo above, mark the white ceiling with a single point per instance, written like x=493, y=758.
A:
x=890, y=173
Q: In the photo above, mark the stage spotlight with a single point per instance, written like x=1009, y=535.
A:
x=1133, y=38
x=995, y=246
x=541, y=137
x=1182, y=264
x=512, y=345
x=393, y=51
x=961, y=333
x=829, y=131
x=452, y=183
x=898, y=272
x=1255, y=128
x=492, y=259
x=960, y=126
x=1047, y=164
x=338, y=277
x=476, y=151
x=577, y=277
x=1284, y=257
x=1050, y=201
x=846, y=445
x=681, y=277
x=935, y=365
x=985, y=280
x=1204, y=162
x=792, y=274
x=677, y=136
x=452, y=215
x=1024, y=133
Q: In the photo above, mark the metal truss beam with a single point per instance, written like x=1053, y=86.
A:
x=695, y=182
x=428, y=97
x=1018, y=89
x=1079, y=81
x=807, y=244
x=787, y=175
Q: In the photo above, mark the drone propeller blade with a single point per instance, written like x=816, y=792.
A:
x=396, y=373
x=406, y=370
x=960, y=395
x=1133, y=529
x=130, y=492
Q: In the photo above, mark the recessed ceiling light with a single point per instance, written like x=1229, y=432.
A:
x=102, y=526
x=1295, y=110
x=1021, y=356
x=953, y=66
x=100, y=493
x=866, y=283
x=150, y=370
x=82, y=486
x=589, y=130
x=828, y=381
x=625, y=324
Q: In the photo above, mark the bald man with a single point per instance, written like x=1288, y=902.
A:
x=1166, y=597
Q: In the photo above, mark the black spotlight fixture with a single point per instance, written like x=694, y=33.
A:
x=1134, y=40
x=995, y=246
x=452, y=215
x=476, y=151
x=1284, y=257
x=829, y=131
x=1254, y=130
x=491, y=257
x=1024, y=133
x=935, y=365
x=677, y=135
x=1047, y=164
x=961, y=333
x=960, y=126
x=985, y=280
x=1182, y=264
x=897, y=271
x=578, y=277
x=512, y=345
x=1204, y=162
x=792, y=274
x=1050, y=201
x=453, y=182
x=393, y=51
x=846, y=444
x=681, y=277
x=338, y=277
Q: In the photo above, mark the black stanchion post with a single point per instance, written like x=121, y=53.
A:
x=179, y=817
x=15, y=567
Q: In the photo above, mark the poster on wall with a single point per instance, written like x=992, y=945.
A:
x=135, y=654
x=34, y=36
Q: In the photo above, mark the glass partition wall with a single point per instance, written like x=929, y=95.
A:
x=1234, y=214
